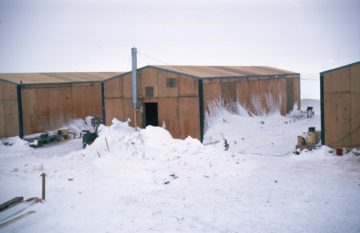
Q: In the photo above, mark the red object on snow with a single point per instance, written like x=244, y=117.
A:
x=339, y=151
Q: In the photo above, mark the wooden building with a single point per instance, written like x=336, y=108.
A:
x=340, y=106
x=179, y=96
x=36, y=102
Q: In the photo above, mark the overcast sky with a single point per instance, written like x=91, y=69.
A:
x=306, y=36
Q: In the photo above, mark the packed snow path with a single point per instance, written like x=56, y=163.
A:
x=149, y=182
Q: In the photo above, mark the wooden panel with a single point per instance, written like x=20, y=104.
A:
x=355, y=119
x=188, y=86
x=128, y=111
x=35, y=105
x=60, y=106
x=212, y=92
x=109, y=113
x=337, y=81
x=8, y=110
x=337, y=119
x=113, y=88
x=163, y=90
x=228, y=94
x=297, y=91
x=168, y=113
x=149, y=79
x=189, y=121
x=289, y=94
x=242, y=93
x=355, y=78
x=127, y=86
x=86, y=100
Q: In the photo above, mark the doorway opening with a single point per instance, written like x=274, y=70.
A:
x=151, y=114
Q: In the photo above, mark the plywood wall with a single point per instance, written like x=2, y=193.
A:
x=51, y=107
x=8, y=110
x=342, y=107
x=178, y=107
x=257, y=95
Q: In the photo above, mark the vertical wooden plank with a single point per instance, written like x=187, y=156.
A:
x=149, y=79
x=188, y=86
x=7, y=113
x=168, y=113
x=337, y=119
x=35, y=105
x=355, y=105
x=163, y=89
x=228, y=94
x=212, y=92
x=60, y=106
x=355, y=119
x=189, y=117
x=289, y=94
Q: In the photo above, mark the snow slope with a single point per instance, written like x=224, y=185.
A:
x=146, y=181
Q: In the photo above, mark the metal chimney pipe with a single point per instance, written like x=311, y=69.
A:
x=134, y=68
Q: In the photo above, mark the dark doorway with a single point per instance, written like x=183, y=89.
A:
x=151, y=114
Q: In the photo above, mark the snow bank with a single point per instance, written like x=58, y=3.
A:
x=13, y=144
x=268, y=134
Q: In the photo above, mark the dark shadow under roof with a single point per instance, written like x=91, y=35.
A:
x=67, y=77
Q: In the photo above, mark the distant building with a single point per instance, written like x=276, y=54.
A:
x=340, y=106
x=36, y=102
x=180, y=96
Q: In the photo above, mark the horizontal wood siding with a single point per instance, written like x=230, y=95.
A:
x=8, y=110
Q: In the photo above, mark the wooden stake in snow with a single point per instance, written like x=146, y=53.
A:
x=43, y=186
x=107, y=145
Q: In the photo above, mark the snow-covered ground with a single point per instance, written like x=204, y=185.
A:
x=146, y=181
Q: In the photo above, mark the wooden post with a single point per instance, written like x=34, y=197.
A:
x=43, y=186
x=135, y=121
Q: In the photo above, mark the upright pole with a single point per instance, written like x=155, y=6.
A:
x=43, y=186
x=134, y=86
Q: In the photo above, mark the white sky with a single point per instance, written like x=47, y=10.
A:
x=306, y=36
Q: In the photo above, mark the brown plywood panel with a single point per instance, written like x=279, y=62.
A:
x=60, y=106
x=11, y=126
x=289, y=94
x=337, y=81
x=8, y=110
x=355, y=120
x=355, y=78
x=337, y=119
x=128, y=112
x=2, y=121
x=242, y=93
x=127, y=86
x=168, y=113
x=109, y=114
x=297, y=93
x=149, y=79
x=212, y=92
x=113, y=88
x=35, y=105
x=163, y=89
x=189, y=121
x=228, y=94
x=188, y=86
x=86, y=100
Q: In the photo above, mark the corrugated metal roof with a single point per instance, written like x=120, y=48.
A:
x=224, y=71
x=68, y=77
